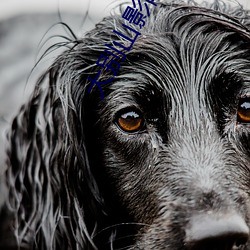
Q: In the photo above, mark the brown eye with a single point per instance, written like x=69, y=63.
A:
x=243, y=113
x=130, y=121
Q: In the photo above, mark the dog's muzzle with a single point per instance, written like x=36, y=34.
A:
x=217, y=232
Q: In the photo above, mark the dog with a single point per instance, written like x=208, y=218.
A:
x=161, y=161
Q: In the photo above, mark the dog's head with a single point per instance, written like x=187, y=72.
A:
x=162, y=162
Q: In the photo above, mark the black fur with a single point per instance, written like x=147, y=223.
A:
x=77, y=181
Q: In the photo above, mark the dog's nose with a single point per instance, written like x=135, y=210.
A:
x=217, y=232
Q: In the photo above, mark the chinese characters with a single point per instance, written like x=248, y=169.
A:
x=108, y=61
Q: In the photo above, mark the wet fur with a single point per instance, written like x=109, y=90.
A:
x=76, y=181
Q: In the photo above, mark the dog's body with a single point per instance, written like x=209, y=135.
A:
x=161, y=163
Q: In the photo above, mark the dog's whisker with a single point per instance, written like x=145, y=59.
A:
x=115, y=226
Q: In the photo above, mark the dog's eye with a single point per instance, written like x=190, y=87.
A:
x=243, y=113
x=130, y=121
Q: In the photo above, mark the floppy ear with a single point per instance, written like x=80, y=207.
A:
x=51, y=187
x=54, y=198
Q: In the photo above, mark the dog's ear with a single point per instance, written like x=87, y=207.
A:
x=52, y=191
x=53, y=195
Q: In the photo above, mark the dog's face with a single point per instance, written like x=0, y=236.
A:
x=174, y=133
x=162, y=162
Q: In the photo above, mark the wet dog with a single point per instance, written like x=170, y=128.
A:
x=162, y=162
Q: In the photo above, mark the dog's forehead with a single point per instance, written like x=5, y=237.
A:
x=186, y=57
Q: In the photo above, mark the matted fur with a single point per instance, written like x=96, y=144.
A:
x=76, y=181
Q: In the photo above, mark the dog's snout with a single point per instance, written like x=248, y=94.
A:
x=217, y=232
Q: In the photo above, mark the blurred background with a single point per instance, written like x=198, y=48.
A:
x=25, y=26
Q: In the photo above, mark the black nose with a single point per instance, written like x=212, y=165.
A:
x=217, y=232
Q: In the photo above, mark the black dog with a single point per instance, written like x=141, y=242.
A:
x=162, y=162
